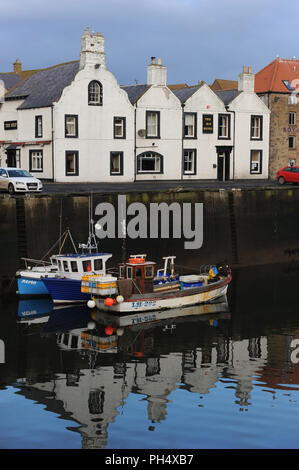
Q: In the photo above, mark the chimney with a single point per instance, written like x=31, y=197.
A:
x=156, y=72
x=246, y=80
x=92, y=49
x=17, y=66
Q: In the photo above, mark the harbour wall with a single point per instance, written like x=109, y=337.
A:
x=245, y=227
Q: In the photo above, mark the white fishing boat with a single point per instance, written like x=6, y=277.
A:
x=138, y=288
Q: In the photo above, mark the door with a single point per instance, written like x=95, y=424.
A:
x=11, y=158
x=223, y=166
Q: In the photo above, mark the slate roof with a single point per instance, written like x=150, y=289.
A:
x=10, y=79
x=135, y=92
x=227, y=95
x=45, y=86
x=184, y=93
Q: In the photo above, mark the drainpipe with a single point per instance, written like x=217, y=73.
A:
x=135, y=142
x=234, y=139
x=52, y=132
x=182, y=156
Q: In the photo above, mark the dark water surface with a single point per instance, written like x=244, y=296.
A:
x=227, y=379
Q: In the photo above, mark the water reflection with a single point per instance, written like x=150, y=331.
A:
x=86, y=366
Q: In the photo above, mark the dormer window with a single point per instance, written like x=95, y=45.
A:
x=95, y=93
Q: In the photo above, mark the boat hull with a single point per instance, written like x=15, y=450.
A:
x=31, y=287
x=65, y=290
x=168, y=302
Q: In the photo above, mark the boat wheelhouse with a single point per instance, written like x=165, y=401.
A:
x=66, y=285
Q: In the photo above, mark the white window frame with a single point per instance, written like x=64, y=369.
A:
x=293, y=137
x=36, y=160
x=189, y=161
x=190, y=127
x=258, y=162
x=292, y=118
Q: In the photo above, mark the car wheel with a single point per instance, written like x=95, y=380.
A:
x=11, y=188
x=281, y=180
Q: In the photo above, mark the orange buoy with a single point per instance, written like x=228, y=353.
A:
x=109, y=301
x=109, y=330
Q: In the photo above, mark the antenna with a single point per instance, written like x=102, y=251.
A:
x=91, y=242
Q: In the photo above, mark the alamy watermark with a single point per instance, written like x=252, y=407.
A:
x=295, y=353
x=187, y=221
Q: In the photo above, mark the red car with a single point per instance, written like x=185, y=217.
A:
x=288, y=174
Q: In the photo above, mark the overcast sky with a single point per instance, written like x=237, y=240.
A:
x=196, y=39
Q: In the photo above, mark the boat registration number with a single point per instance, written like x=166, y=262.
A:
x=146, y=303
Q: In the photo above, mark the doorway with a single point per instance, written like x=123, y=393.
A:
x=223, y=163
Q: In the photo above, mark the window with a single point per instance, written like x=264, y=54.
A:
x=153, y=124
x=292, y=119
x=71, y=125
x=149, y=162
x=224, y=126
x=119, y=128
x=189, y=162
x=292, y=142
x=116, y=163
x=149, y=272
x=72, y=163
x=74, y=267
x=35, y=160
x=256, y=161
x=65, y=266
x=190, y=121
x=38, y=126
x=98, y=264
x=207, y=124
x=129, y=272
x=292, y=99
x=256, y=128
x=86, y=266
x=95, y=93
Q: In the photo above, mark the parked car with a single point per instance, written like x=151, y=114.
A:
x=288, y=174
x=16, y=180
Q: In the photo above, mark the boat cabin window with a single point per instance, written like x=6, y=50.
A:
x=98, y=264
x=149, y=272
x=74, y=341
x=129, y=272
x=122, y=271
x=74, y=266
x=138, y=272
x=87, y=266
x=60, y=265
x=65, y=266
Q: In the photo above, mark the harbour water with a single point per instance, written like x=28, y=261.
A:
x=223, y=377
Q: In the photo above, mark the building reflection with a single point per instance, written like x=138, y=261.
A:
x=83, y=374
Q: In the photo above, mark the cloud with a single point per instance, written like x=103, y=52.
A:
x=197, y=39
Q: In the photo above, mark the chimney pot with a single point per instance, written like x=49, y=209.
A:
x=159, y=61
x=153, y=60
x=86, y=32
x=249, y=69
x=244, y=68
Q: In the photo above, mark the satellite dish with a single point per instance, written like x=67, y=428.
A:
x=141, y=132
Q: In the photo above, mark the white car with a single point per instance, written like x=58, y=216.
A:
x=15, y=180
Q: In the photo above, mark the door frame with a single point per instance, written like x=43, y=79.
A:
x=226, y=150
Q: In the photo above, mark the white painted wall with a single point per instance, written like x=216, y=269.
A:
x=95, y=123
x=245, y=105
x=169, y=145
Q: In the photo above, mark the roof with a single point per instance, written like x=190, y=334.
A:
x=44, y=87
x=184, y=93
x=135, y=92
x=221, y=84
x=271, y=77
x=10, y=79
x=227, y=95
x=177, y=86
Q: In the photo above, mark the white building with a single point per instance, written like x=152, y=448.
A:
x=73, y=122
